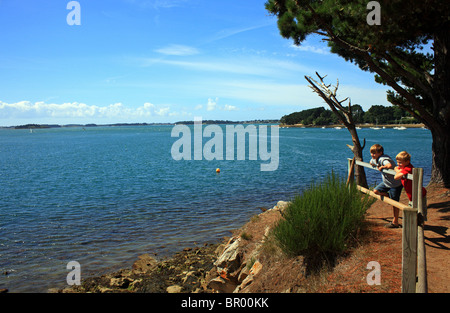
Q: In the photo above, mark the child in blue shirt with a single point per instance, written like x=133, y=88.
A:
x=389, y=187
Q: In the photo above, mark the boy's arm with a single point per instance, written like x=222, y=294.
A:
x=400, y=173
x=386, y=165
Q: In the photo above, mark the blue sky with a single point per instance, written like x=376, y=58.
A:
x=160, y=61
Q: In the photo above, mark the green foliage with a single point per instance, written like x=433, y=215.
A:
x=322, y=219
x=407, y=51
x=376, y=114
x=392, y=50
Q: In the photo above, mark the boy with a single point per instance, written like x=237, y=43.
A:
x=389, y=186
x=403, y=169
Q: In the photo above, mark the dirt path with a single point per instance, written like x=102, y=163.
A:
x=437, y=238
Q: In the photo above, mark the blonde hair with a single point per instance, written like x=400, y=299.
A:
x=403, y=156
x=377, y=148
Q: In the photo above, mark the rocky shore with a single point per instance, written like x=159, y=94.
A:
x=249, y=261
x=226, y=267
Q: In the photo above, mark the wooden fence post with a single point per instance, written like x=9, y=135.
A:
x=351, y=166
x=413, y=246
x=409, y=251
x=422, y=283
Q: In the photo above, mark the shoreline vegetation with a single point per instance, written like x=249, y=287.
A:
x=206, y=122
x=43, y=126
x=365, y=125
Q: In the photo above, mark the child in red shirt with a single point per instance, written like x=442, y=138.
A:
x=403, y=169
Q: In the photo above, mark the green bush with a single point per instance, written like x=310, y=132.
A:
x=322, y=219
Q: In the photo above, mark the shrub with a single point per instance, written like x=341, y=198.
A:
x=322, y=219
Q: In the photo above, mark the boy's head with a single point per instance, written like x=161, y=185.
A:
x=403, y=158
x=376, y=151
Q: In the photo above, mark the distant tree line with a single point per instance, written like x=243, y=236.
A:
x=231, y=122
x=377, y=114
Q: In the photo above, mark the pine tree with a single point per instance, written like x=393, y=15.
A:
x=392, y=50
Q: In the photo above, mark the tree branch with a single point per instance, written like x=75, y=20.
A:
x=365, y=54
x=408, y=75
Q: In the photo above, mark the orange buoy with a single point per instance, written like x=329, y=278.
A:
x=217, y=170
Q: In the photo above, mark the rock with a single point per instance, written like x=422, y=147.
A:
x=219, y=249
x=229, y=260
x=256, y=268
x=281, y=206
x=120, y=282
x=243, y=274
x=222, y=285
x=174, y=289
x=189, y=278
x=247, y=281
x=144, y=264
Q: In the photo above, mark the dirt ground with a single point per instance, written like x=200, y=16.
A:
x=437, y=240
x=381, y=244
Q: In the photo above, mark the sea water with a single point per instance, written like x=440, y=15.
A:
x=101, y=196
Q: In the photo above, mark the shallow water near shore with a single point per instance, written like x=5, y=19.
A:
x=101, y=196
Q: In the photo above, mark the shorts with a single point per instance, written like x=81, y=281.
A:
x=394, y=193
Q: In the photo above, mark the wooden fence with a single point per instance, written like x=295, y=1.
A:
x=414, y=268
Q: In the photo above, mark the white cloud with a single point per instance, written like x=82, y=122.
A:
x=228, y=32
x=309, y=48
x=211, y=105
x=157, y=4
x=230, y=108
x=255, y=66
x=177, y=50
x=75, y=110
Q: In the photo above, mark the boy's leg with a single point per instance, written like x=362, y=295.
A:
x=394, y=194
x=381, y=190
x=396, y=212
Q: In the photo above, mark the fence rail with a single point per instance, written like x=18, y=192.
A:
x=413, y=245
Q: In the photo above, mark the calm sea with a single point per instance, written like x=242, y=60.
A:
x=102, y=196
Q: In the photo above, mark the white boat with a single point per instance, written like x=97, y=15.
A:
x=375, y=127
x=337, y=127
x=400, y=128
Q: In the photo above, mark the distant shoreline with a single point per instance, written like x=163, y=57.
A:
x=367, y=125
x=44, y=126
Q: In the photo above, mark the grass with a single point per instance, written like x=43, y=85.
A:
x=319, y=223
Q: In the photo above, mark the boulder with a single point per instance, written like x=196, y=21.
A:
x=256, y=268
x=281, y=206
x=144, y=264
x=230, y=259
x=174, y=289
x=222, y=285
